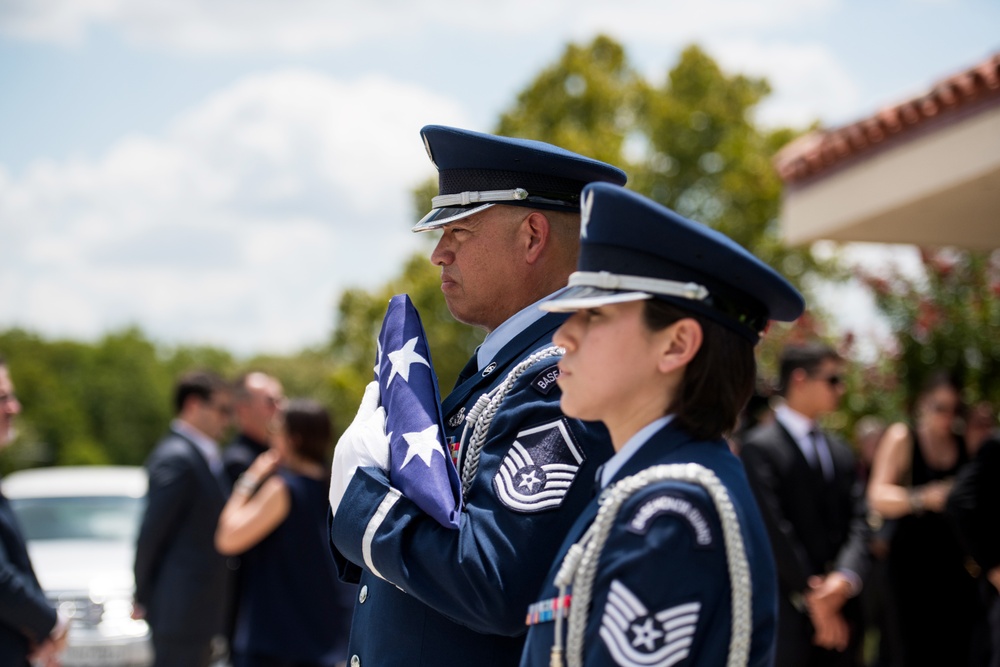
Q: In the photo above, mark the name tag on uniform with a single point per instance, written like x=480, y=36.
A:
x=545, y=381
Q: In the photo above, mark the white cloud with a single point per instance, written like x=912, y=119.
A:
x=301, y=26
x=807, y=80
x=239, y=226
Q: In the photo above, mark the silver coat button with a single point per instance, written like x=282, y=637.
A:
x=363, y=595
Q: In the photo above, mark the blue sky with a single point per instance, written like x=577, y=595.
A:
x=218, y=172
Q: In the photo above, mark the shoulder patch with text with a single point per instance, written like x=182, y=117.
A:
x=668, y=503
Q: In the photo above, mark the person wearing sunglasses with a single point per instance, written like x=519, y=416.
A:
x=805, y=480
x=911, y=479
x=31, y=630
x=182, y=584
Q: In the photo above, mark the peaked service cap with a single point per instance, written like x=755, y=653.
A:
x=477, y=171
x=632, y=248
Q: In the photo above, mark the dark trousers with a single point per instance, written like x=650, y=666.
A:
x=991, y=601
x=258, y=660
x=795, y=640
x=172, y=652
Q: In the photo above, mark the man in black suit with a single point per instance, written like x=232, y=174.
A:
x=181, y=581
x=974, y=507
x=805, y=481
x=258, y=397
x=29, y=627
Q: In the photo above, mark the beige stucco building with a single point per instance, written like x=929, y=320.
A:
x=925, y=171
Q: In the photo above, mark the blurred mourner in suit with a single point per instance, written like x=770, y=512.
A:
x=181, y=581
x=974, y=506
x=508, y=215
x=257, y=398
x=29, y=627
x=806, y=483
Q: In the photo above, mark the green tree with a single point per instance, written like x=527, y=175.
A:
x=586, y=102
x=95, y=403
x=54, y=426
x=127, y=396
x=945, y=320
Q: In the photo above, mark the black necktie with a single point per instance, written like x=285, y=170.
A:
x=818, y=444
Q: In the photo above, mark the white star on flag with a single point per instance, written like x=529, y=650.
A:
x=378, y=357
x=423, y=444
x=413, y=416
x=402, y=359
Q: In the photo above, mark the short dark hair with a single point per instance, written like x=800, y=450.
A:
x=309, y=430
x=200, y=384
x=807, y=356
x=719, y=380
x=937, y=379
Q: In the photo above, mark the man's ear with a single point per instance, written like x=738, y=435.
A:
x=536, y=230
x=681, y=342
x=797, y=376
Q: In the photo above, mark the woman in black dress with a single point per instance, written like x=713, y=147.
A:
x=932, y=594
x=293, y=610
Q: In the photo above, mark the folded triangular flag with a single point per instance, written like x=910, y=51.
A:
x=419, y=465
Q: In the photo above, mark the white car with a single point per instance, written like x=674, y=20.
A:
x=81, y=525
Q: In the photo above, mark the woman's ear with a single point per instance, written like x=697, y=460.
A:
x=681, y=343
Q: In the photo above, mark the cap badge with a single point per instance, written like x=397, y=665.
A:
x=585, y=205
x=427, y=146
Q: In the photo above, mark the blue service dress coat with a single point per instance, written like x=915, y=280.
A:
x=180, y=579
x=26, y=617
x=457, y=597
x=661, y=592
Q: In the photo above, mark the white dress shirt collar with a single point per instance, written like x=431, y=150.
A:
x=204, y=444
x=796, y=423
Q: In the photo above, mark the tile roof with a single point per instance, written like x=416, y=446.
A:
x=949, y=99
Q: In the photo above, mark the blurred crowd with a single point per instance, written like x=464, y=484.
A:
x=232, y=556
x=896, y=564
x=899, y=561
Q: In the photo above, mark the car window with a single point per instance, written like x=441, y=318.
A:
x=86, y=518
